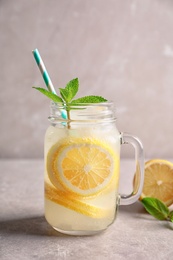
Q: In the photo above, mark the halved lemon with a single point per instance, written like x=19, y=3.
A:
x=158, y=180
x=82, y=166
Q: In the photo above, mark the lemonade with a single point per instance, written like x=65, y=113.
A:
x=82, y=158
x=82, y=171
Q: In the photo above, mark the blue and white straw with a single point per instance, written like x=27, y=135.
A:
x=43, y=71
x=46, y=77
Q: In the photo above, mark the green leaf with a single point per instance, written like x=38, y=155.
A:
x=156, y=208
x=50, y=95
x=64, y=94
x=171, y=216
x=72, y=87
x=70, y=90
x=88, y=99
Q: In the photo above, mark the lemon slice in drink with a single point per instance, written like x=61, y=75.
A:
x=82, y=166
x=64, y=199
x=158, y=180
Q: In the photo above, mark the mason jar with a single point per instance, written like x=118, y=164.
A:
x=82, y=168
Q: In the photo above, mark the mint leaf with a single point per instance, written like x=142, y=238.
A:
x=50, y=95
x=70, y=91
x=156, y=208
x=72, y=87
x=64, y=94
x=171, y=216
x=88, y=99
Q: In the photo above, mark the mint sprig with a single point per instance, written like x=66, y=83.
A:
x=68, y=93
x=157, y=209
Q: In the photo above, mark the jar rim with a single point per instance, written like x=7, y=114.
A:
x=60, y=105
x=88, y=112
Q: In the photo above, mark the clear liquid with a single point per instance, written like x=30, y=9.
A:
x=97, y=212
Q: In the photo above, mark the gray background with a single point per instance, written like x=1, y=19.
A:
x=120, y=49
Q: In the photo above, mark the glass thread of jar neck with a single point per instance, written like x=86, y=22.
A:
x=97, y=113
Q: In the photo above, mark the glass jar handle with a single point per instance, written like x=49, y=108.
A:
x=126, y=138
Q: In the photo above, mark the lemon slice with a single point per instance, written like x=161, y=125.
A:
x=64, y=199
x=158, y=181
x=82, y=166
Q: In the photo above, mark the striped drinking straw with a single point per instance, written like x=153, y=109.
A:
x=43, y=71
x=46, y=77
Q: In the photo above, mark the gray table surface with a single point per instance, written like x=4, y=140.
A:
x=24, y=233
